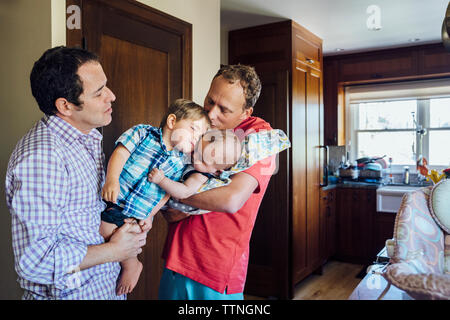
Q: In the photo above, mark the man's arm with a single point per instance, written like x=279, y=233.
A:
x=229, y=198
x=45, y=248
x=122, y=245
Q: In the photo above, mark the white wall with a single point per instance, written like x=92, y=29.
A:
x=25, y=32
x=204, y=15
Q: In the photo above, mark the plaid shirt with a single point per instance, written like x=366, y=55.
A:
x=137, y=195
x=53, y=185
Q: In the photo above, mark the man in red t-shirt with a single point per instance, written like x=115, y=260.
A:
x=207, y=255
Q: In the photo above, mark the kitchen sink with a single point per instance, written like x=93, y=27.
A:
x=390, y=197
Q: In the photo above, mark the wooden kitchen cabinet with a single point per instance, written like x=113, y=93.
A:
x=370, y=66
x=285, y=246
x=433, y=60
x=328, y=238
x=355, y=212
x=383, y=228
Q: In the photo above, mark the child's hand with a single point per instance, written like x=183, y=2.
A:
x=156, y=175
x=111, y=190
x=146, y=224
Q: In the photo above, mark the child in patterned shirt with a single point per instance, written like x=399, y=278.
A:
x=127, y=191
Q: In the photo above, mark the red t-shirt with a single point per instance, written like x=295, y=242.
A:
x=213, y=248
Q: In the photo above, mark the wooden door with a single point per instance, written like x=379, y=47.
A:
x=269, y=245
x=146, y=56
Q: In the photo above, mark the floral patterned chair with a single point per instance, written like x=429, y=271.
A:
x=420, y=250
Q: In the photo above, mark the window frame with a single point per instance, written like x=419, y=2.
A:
x=422, y=118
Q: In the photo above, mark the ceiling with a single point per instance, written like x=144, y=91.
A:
x=342, y=24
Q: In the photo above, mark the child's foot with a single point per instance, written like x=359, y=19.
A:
x=131, y=270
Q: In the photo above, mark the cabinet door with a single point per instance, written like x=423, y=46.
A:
x=331, y=224
x=355, y=225
x=434, y=60
x=299, y=174
x=313, y=166
x=327, y=224
x=371, y=66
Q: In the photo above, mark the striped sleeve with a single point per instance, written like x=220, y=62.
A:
x=44, y=253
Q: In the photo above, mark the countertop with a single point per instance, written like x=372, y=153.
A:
x=353, y=185
x=363, y=185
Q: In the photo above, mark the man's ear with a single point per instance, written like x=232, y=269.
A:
x=248, y=112
x=171, y=120
x=63, y=106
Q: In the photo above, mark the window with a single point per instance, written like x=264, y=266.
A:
x=388, y=126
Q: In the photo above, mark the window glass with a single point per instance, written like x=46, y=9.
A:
x=397, y=145
x=439, y=148
x=387, y=115
x=440, y=113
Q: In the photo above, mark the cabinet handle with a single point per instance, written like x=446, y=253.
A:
x=311, y=61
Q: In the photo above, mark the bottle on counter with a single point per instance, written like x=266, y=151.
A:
x=406, y=175
x=354, y=171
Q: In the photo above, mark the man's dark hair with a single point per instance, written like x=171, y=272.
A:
x=247, y=77
x=55, y=76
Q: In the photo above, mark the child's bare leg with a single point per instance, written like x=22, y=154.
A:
x=107, y=229
x=131, y=270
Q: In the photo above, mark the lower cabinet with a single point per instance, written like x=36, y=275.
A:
x=327, y=223
x=354, y=224
x=361, y=230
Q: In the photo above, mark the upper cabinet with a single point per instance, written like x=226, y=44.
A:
x=378, y=66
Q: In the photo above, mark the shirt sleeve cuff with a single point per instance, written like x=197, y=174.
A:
x=68, y=257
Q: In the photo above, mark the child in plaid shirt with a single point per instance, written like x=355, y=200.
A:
x=127, y=191
x=219, y=155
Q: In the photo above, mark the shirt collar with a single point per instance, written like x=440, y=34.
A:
x=66, y=131
x=158, y=134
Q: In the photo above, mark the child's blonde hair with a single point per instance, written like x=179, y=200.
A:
x=185, y=109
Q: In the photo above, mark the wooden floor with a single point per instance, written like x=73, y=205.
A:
x=336, y=283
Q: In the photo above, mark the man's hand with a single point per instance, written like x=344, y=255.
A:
x=174, y=215
x=156, y=176
x=111, y=190
x=126, y=243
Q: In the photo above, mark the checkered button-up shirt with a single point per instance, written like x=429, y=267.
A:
x=53, y=186
x=137, y=195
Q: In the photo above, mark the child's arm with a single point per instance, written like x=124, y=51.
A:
x=116, y=163
x=146, y=224
x=178, y=190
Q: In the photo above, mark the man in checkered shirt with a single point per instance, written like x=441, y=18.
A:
x=53, y=184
